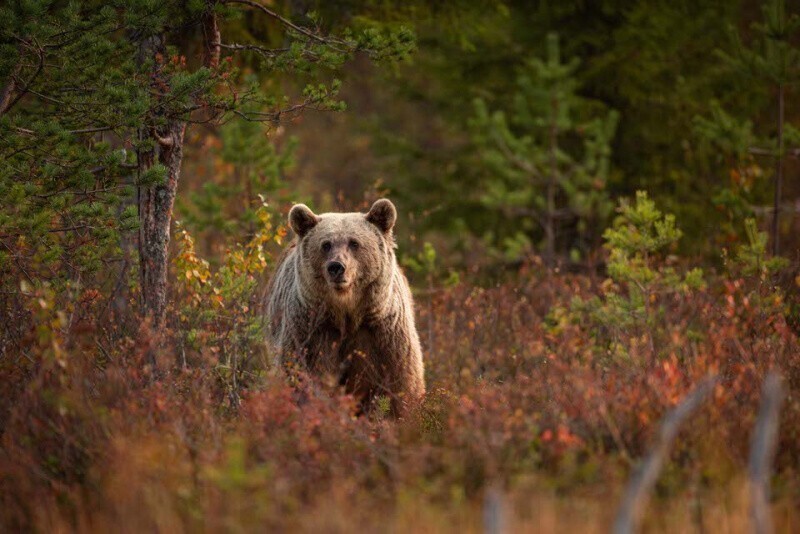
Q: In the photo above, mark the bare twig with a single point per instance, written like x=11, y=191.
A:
x=270, y=53
x=10, y=87
x=615, y=433
x=24, y=89
x=276, y=116
x=762, y=451
x=81, y=131
x=639, y=486
x=16, y=260
x=286, y=22
x=759, y=151
x=92, y=130
x=263, y=50
x=494, y=516
x=73, y=228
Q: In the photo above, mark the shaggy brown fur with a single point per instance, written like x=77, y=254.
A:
x=340, y=305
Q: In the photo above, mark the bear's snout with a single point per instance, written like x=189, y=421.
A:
x=335, y=269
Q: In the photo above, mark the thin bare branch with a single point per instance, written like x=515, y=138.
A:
x=81, y=131
x=286, y=22
x=639, y=486
x=494, y=512
x=758, y=151
x=21, y=91
x=51, y=230
x=263, y=50
x=762, y=452
x=276, y=116
x=92, y=130
x=10, y=87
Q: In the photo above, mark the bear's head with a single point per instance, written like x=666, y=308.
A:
x=343, y=254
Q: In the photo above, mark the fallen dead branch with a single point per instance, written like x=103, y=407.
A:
x=762, y=451
x=640, y=485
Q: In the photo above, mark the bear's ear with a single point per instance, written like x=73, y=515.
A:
x=302, y=219
x=383, y=215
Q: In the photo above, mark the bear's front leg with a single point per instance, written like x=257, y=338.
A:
x=397, y=357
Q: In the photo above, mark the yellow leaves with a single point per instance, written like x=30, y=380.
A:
x=280, y=234
x=202, y=276
x=50, y=321
x=206, y=292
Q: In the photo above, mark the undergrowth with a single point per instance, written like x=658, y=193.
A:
x=546, y=389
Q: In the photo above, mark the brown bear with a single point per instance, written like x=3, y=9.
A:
x=339, y=305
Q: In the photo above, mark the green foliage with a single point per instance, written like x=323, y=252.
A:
x=639, y=232
x=726, y=133
x=548, y=162
x=218, y=310
x=653, y=62
x=639, y=276
x=752, y=257
x=770, y=59
x=244, y=164
x=424, y=264
x=771, y=55
x=62, y=185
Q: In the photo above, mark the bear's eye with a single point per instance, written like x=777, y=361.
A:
x=353, y=244
x=326, y=246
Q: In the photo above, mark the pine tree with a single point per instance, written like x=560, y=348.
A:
x=549, y=159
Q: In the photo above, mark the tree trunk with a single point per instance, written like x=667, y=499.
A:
x=156, y=201
x=776, y=205
x=549, y=216
x=155, y=215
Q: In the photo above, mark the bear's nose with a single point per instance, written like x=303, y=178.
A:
x=335, y=268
